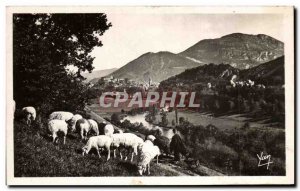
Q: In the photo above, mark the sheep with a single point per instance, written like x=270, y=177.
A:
x=146, y=155
x=30, y=114
x=93, y=126
x=163, y=143
x=83, y=127
x=73, y=120
x=57, y=125
x=62, y=115
x=151, y=138
x=143, y=145
x=127, y=140
x=108, y=129
x=100, y=141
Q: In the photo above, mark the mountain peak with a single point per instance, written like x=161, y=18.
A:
x=237, y=49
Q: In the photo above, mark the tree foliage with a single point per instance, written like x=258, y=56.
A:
x=44, y=47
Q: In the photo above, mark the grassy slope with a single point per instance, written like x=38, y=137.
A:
x=37, y=156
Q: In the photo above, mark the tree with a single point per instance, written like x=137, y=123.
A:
x=44, y=46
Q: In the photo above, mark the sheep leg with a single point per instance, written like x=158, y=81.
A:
x=120, y=153
x=148, y=168
x=114, y=153
x=132, y=156
x=126, y=154
x=81, y=135
x=54, y=137
x=157, y=159
x=98, y=153
x=65, y=139
x=108, y=154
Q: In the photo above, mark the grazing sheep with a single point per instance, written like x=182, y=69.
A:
x=73, y=120
x=57, y=125
x=62, y=115
x=151, y=138
x=147, y=153
x=108, y=129
x=143, y=145
x=83, y=127
x=97, y=142
x=93, y=126
x=163, y=143
x=29, y=113
x=126, y=140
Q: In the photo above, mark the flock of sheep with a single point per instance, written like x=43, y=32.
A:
x=67, y=122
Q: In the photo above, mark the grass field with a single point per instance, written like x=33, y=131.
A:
x=36, y=156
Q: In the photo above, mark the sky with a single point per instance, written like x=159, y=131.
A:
x=132, y=35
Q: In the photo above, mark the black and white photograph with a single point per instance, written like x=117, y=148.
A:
x=150, y=95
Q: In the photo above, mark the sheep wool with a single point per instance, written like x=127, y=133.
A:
x=29, y=113
x=147, y=154
x=93, y=126
x=127, y=140
x=73, y=121
x=83, y=127
x=108, y=129
x=57, y=125
x=101, y=141
x=62, y=115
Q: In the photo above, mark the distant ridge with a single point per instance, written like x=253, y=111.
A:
x=241, y=51
x=237, y=49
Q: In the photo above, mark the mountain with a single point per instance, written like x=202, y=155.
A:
x=156, y=66
x=212, y=73
x=97, y=74
x=270, y=73
x=239, y=50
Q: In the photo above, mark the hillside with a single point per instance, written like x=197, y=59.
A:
x=157, y=66
x=239, y=50
x=36, y=156
x=95, y=75
x=203, y=74
x=269, y=73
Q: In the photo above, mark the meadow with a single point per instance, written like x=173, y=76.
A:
x=36, y=156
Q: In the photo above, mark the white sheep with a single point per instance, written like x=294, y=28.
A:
x=84, y=127
x=151, y=138
x=73, y=120
x=147, y=153
x=62, y=115
x=108, y=129
x=30, y=114
x=101, y=141
x=93, y=126
x=57, y=125
x=144, y=145
x=126, y=140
